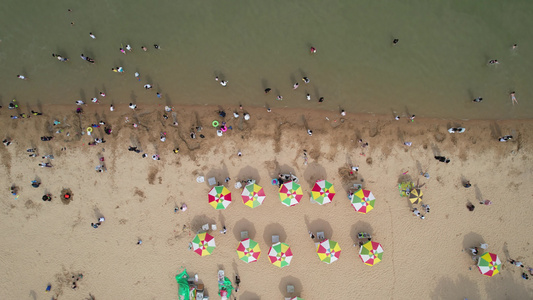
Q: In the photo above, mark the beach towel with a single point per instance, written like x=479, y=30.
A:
x=183, y=285
x=225, y=285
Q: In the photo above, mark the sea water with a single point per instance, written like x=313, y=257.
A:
x=435, y=70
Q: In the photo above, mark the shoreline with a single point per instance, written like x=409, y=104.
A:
x=138, y=195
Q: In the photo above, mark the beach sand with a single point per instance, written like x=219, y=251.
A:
x=48, y=242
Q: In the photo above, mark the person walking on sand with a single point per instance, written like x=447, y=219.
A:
x=309, y=132
x=416, y=212
x=513, y=98
x=133, y=106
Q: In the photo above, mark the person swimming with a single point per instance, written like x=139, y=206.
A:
x=478, y=99
x=306, y=80
x=267, y=90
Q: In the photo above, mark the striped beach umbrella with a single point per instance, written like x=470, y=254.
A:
x=322, y=192
x=297, y=298
x=219, y=197
x=253, y=195
x=416, y=196
x=290, y=193
x=371, y=253
x=280, y=254
x=328, y=251
x=489, y=264
x=363, y=201
x=248, y=250
x=203, y=244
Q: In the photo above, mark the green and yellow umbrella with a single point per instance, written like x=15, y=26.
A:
x=322, y=192
x=253, y=195
x=489, y=264
x=203, y=244
x=290, y=193
x=219, y=197
x=416, y=196
x=248, y=250
x=371, y=253
x=328, y=251
x=280, y=255
x=363, y=201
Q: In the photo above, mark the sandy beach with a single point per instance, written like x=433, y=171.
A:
x=48, y=242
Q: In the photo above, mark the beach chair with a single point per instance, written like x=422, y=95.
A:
x=200, y=291
x=364, y=235
x=311, y=200
x=221, y=276
x=320, y=236
x=205, y=227
x=214, y=227
x=244, y=235
x=275, y=239
x=290, y=288
x=212, y=181
x=484, y=246
x=200, y=179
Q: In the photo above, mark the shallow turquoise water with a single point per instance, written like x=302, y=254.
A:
x=437, y=68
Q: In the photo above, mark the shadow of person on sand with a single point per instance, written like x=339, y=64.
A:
x=319, y=225
x=314, y=172
x=274, y=229
x=244, y=225
x=290, y=280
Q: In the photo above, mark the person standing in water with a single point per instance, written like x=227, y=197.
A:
x=92, y=35
x=513, y=98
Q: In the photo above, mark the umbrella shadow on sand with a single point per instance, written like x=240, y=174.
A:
x=220, y=174
x=249, y=296
x=472, y=239
x=290, y=280
x=244, y=225
x=318, y=225
x=248, y=173
x=360, y=227
x=199, y=220
x=460, y=287
x=274, y=229
x=314, y=172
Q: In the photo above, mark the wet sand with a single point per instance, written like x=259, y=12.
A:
x=48, y=242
